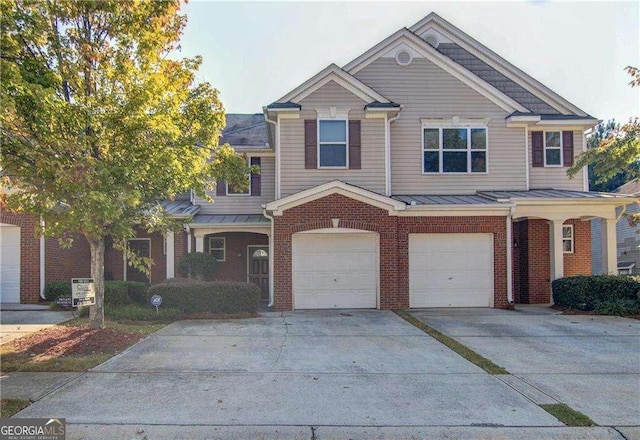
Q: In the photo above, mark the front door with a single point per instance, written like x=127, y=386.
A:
x=142, y=248
x=259, y=269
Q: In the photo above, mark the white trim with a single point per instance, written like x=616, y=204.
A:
x=585, y=169
x=278, y=172
x=42, y=262
x=346, y=144
x=170, y=252
x=509, y=244
x=342, y=78
x=545, y=148
x=485, y=54
x=526, y=158
x=441, y=150
x=335, y=187
x=427, y=51
x=571, y=239
x=224, y=248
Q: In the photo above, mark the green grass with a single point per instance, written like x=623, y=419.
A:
x=9, y=407
x=567, y=415
x=15, y=362
x=454, y=345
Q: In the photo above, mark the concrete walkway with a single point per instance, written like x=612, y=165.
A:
x=591, y=363
x=325, y=374
x=17, y=320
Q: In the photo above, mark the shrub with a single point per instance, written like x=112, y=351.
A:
x=137, y=312
x=617, y=307
x=193, y=296
x=588, y=292
x=54, y=289
x=197, y=265
x=116, y=293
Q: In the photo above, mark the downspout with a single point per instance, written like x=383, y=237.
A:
x=526, y=156
x=271, y=273
x=387, y=153
x=42, y=260
x=510, y=255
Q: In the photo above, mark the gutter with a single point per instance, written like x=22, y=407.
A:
x=509, y=235
x=271, y=273
x=387, y=152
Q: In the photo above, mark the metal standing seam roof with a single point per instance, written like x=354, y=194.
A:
x=547, y=194
x=235, y=219
x=180, y=208
x=447, y=200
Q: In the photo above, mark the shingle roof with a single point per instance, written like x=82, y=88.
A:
x=289, y=104
x=221, y=219
x=495, y=78
x=552, y=117
x=245, y=130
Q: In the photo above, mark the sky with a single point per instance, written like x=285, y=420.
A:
x=256, y=52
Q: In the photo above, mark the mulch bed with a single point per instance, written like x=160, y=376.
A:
x=67, y=341
x=568, y=311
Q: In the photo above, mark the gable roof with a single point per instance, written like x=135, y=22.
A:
x=478, y=58
x=328, y=74
x=424, y=49
x=247, y=130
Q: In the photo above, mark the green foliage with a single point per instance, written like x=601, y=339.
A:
x=198, y=265
x=591, y=292
x=138, y=312
x=116, y=293
x=618, y=307
x=101, y=120
x=55, y=289
x=193, y=296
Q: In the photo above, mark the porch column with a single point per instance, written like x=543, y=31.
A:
x=170, y=255
x=199, y=240
x=555, y=246
x=609, y=246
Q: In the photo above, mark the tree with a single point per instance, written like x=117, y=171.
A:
x=101, y=121
x=614, y=151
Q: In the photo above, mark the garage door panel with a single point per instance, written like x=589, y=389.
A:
x=9, y=264
x=450, y=270
x=335, y=270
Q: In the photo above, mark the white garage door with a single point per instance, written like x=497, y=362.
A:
x=9, y=264
x=335, y=270
x=451, y=270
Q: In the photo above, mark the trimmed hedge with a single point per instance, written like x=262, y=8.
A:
x=193, y=296
x=198, y=265
x=593, y=292
x=115, y=292
x=137, y=312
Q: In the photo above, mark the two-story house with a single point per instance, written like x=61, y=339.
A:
x=427, y=172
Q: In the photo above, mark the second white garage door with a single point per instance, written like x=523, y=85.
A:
x=450, y=270
x=9, y=264
x=335, y=270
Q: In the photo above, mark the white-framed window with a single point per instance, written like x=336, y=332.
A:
x=233, y=191
x=332, y=143
x=553, y=148
x=454, y=150
x=567, y=239
x=217, y=248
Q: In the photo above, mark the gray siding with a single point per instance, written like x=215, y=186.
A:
x=427, y=91
x=296, y=178
x=244, y=204
x=627, y=241
x=596, y=247
x=556, y=177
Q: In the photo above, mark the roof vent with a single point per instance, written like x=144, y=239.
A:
x=432, y=40
x=403, y=58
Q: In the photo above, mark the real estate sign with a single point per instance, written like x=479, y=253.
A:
x=83, y=292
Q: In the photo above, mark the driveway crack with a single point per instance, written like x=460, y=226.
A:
x=284, y=342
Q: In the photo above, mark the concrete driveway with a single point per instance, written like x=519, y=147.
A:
x=293, y=375
x=591, y=363
x=17, y=320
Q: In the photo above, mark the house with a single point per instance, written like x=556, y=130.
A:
x=427, y=172
x=628, y=241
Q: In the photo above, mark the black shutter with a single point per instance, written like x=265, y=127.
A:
x=354, y=145
x=537, y=149
x=310, y=144
x=567, y=148
x=256, y=186
x=221, y=188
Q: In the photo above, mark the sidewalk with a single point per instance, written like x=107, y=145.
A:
x=17, y=320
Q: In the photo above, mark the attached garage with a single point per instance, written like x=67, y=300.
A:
x=9, y=263
x=335, y=270
x=451, y=270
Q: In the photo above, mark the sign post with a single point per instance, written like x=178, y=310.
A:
x=83, y=292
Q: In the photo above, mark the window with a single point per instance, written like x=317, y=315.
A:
x=233, y=191
x=217, y=248
x=454, y=150
x=567, y=239
x=332, y=143
x=552, y=148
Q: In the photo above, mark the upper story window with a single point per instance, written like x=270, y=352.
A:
x=332, y=143
x=233, y=191
x=454, y=150
x=552, y=148
x=254, y=188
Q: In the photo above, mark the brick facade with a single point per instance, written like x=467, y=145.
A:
x=29, y=254
x=235, y=266
x=114, y=266
x=62, y=264
x=394, y=242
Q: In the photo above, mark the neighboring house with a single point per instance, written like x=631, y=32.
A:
x=427, y=172
x=627, y=238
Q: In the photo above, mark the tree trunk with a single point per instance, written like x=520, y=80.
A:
x=96, y=312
